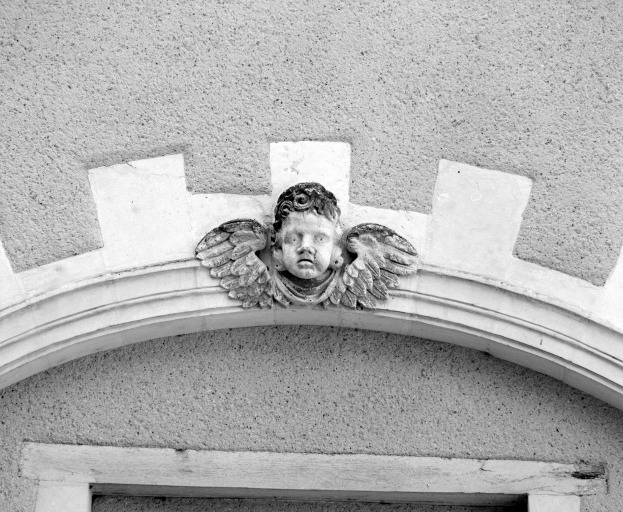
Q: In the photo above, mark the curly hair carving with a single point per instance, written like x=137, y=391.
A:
x=304, y=197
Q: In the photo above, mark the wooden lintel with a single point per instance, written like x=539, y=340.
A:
x=168, y=472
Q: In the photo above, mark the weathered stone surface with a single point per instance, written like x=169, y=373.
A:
x=530, y=89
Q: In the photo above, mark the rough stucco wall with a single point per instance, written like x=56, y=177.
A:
x=532, y=88
x=113, y=504
x=304, y=389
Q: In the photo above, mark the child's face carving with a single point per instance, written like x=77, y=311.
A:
x=308, y=244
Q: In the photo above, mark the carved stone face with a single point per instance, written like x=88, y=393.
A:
x=308, y=244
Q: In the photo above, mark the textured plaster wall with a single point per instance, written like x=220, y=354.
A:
x=114, y=504
x=306, y=389
x=530, y=87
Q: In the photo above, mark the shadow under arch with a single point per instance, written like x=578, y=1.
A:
x=118, y=309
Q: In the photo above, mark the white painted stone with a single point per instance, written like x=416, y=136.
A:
x=211, y=210
x=59, y=274
x=542, y=503
x=411, y=225
x=327, y=163
x=609, y=303
x=554, y=287
x=476, y=219
x=132, y=289
x=10, y=289
x=141, y=304
x=143, y=211
x=63, y=497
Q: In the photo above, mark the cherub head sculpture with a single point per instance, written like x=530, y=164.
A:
x=307, y=232
x=308, y=252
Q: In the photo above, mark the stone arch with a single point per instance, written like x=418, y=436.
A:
x=469, y=290
x=177, y=298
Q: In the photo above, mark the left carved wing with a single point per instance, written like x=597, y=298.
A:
x=230, y=252
x=382, y=256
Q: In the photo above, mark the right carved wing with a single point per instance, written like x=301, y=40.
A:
x=382, y=256
x=230, y=252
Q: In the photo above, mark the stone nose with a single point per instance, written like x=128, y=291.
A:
x=306, y=245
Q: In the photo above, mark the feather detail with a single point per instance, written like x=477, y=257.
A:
x=237, y=294
x=255, y=290
x=367, y=302
x=359, y=264
x=390, y=280
x=247, y=247
x=395, y=268
x=229, y=251
x=234, y=226
x=366, y=276
x=230, y=282
x=242, y=236
x=250, y=302
x=214, y=237
x=265, y=301
x=336, y=296
x=373, y=267
x=264, y=276
x=240, y=264
x=215, y=250
x=341, y=286
x=398, y=242
x=379, y=290
x=217, y=261
x=382, y=256
x=352, y=270
x=221, y=271
x=251, y=275
x=349, y=299
x=398, y=257
x=358, y=287
x=348, y=279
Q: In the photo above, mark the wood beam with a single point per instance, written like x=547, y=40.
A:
x=168, y=472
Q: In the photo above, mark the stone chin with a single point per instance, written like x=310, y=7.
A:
x=306, y=270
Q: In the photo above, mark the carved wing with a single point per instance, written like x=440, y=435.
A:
x=382, y=256
x=229, y=251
